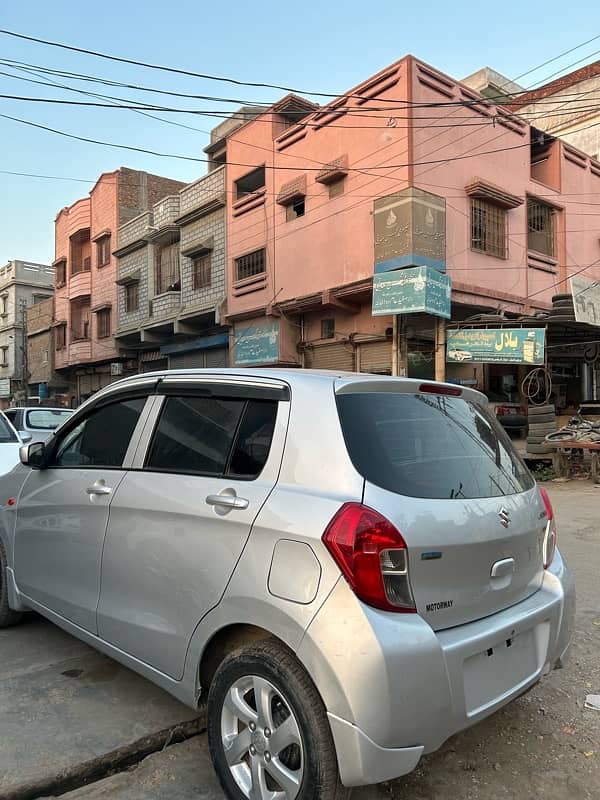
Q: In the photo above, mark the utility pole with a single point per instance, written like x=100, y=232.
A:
x=24, y=349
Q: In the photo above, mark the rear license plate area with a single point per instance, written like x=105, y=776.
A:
x=499, y=670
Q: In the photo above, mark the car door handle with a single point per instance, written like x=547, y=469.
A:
x=99, y=488
x=228, y=501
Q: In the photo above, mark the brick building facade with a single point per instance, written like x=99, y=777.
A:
x=44, y=381
x=85, y=314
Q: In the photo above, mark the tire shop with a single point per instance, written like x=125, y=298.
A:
x=537, y=371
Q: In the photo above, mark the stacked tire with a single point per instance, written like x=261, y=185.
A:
x=542, y=421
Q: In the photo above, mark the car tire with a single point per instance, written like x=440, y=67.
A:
x=532, y=411
x=541, y=429
x=7, y=615
x=290, y=693
x=542, y=419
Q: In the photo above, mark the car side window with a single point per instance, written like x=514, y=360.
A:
x=253, y=440
x=213, y=436
x=194, y=434
x=101, y=439
x=11, y=415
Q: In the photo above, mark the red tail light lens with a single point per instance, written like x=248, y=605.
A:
x=372, y=555
x=551, y=534
x=440, y=388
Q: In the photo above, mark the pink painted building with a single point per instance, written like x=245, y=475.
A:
x=85, y=313
x=506, y=211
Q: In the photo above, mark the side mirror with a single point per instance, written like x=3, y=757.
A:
x=32, y=455
x=26, y=437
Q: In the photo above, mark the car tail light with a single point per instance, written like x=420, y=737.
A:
x=502, y=411
x=373, y=557
x=550, y=535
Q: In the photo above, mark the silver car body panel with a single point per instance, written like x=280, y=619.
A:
x=158, y=593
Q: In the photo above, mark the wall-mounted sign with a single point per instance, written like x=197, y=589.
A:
x=586, y=300
x=256, y=343
x=496, y=345
x=410, y=230
x=412, y=291
x=4, y=387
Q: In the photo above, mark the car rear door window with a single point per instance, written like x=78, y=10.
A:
x=46, y=418
x=7, y=434
x=212, y=436
x=430, y=446
x=101, y=439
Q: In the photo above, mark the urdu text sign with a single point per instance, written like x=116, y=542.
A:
x=496, y=346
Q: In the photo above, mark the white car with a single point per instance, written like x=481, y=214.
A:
x=10, y=444
x=460, y=355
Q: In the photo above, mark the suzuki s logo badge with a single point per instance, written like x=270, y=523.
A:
x=504, y=517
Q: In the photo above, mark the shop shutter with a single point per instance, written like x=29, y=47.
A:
x=195, y=359
x=338, y=356
x=155, y=365
x=376, y=357
x=219, y=357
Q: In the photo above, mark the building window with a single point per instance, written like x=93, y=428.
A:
x=489, y=228
x=39, y=298
x=80, y=319
x=327, y=328
x=201, y=272
x=132, y=297
x=4, y=305
x=166, y=274
x=103, y=251
x=336, y=188
x=60, y=273
x=103, y=323
x=81, y=259
x=249, y=183
x=45, y=355
x=249, y=265
x=541, y=227
x=60, y=337
x=295, y=210
x=4, y=356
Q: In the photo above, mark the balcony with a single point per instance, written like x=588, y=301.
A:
x=166, y=211
x=203, y=196
x=165, y=306
x=134, y=231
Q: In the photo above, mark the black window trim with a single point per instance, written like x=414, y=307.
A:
x=53, y=442
x=195, y=473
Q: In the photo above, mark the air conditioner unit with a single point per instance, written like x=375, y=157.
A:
x=116, y=368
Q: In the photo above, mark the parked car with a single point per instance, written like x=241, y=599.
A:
x=38, y=421
x=511, y=415
x=10, y=445
x=347, y=588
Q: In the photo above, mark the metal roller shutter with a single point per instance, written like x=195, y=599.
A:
x=376, y=357
x=219, y=357
x=338, y=356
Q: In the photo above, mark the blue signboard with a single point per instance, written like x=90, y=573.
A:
x=256, y=344
x=412, y=291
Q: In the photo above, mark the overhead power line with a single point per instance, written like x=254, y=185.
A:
x=239, y=82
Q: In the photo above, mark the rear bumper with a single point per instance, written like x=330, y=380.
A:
x=394, y=689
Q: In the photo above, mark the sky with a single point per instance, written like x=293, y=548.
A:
x=318, y=46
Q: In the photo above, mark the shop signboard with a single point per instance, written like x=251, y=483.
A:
x=256, y=343
x=412, y=291
x=586, y=300
x=4, y=387
x=410, y=230
x=496, y=346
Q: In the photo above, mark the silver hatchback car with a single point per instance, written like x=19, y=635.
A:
x=350, y=568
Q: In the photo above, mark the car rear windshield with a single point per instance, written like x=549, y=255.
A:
x=46, y=419
x=431, y=446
